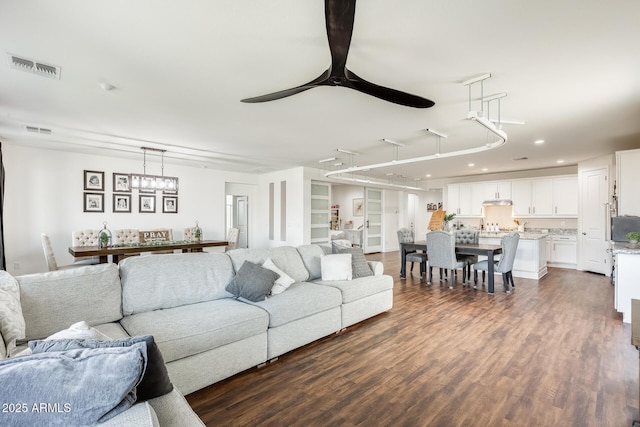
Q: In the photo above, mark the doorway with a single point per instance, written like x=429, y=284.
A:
x=594, y=219
x=238, y=212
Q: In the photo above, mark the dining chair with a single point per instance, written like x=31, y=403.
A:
x=52, y=264
x=127, y=235
x=441, y=251
x=504, y=265
x=468, y=237
x=232, y=237
x=405, y=235
x=86, y=238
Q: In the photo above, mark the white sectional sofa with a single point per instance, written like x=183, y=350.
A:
x=204, y=333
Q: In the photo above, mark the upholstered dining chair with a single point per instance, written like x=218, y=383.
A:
x=232, y=237
x=468, y=237
x=52, y=264
x=85, y=238
x=441, y=251
x=127, y=235
x=504, y=265
x=405, y=235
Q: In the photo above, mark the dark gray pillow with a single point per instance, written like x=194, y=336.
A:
x=155, y=381
x=252, y=282
x=359, y=265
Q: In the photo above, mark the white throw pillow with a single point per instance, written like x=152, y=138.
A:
x=336, y=267
x=12, y=326
x=81, y=331
x=283, y=282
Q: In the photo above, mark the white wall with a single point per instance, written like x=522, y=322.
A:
x=44, y=194
x=296, y=196
x=343, y=195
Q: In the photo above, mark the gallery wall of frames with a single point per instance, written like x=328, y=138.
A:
x=163, y=190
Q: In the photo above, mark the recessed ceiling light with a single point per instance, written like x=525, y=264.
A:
x=428, y=175
x=471, y=165
x=485, y=169
x=559, y=161
x=538, y=141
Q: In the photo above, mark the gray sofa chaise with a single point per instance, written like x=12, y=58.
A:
x=204, y=333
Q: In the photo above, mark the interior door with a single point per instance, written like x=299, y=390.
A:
x=241, y=219
x=373, y=220
x=594, y=217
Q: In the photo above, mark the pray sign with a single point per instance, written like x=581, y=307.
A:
x=155, y=236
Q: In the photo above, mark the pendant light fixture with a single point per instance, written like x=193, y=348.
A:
x=152, y=183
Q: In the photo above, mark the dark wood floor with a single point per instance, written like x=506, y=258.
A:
x=553, y=353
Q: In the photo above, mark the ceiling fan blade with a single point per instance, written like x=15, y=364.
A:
x=339, y=16
x=321, y=80
x=388, y=94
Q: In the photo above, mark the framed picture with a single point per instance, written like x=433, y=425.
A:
x=169, y=204
x=93, y=202
x=121, y=183
x=147, y=204
x=358, y=207
x=122, y=203
x=94, y=180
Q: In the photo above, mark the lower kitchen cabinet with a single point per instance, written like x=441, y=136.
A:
x=531, y=260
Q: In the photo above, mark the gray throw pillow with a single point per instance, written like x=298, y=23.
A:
x=359, y=265
x=252, y=282
x=155, y=381
x=71, y=388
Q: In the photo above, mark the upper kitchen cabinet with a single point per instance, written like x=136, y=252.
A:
x=496, y=190
x=532, y=197
x=465, y=199
x=565, y=196
x=627, y=179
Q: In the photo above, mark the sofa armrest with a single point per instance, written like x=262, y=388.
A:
x=377, y=267
x=139, y=415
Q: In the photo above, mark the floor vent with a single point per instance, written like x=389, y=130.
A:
x=34, y=67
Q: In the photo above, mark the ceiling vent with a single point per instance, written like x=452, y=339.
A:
x=520, y=158
x=34, y=67
x=35, y=129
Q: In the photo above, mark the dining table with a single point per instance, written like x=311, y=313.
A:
x=116, y=251
x=461, y=248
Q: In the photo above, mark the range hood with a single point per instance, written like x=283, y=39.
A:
x=497, y=202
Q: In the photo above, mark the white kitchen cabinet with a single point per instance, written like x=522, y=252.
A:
x=530, y=261
x=453, y=199
x=563, y=251
x=465, y=199
x=565, y=196
x=627, y=179
x=532, y=197
x=496, y=190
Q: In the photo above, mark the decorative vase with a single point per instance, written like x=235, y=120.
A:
x=633, y=243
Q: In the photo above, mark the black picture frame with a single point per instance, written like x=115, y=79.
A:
x=147, y=203
x=121, y=182
x=169, y=204
x=93, y=180
x=93, y=202
x=122, y=203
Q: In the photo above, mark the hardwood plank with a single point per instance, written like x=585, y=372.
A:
x=552, y=353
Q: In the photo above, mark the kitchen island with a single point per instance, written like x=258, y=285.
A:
x=531, y=256
x=626, y=278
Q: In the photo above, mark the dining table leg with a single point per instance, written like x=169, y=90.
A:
x=403, y=262
x=490, y=272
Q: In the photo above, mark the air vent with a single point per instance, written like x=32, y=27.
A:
x=34, y=67
x=521, y=158
x=35, y=129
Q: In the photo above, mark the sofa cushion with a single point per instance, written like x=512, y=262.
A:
x=356, y=289
x=311, y=255
x=336, y=267
x=359, y=265
x=86, y=385
x=252, y=282
x=90, y=293
x=139, y=415
x=170, y=280
x=12, y=325
x=302, y=299
x=155, y=381
x=286, y=258
x=190, y=329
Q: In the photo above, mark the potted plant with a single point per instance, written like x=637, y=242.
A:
x=446, y=220
x=104, y=239
x=633, y=237
x=197, y=233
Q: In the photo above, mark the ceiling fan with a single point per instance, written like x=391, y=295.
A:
x=339, y=16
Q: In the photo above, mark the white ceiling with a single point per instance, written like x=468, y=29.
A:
x=571, y=70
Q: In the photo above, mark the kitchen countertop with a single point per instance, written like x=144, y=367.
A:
x=623, y=248
x=525, y=236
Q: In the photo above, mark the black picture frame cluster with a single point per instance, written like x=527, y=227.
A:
x=93, y=200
